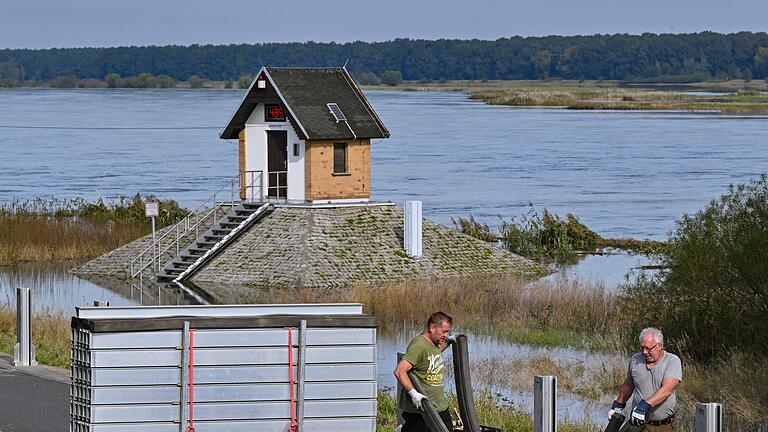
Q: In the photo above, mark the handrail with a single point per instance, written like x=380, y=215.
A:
x=186, y=225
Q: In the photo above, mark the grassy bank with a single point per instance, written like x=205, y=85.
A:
x=41, y=230
x=749, y=102
x=748, y=97
x=545, y=235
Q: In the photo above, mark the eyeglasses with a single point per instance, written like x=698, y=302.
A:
x=648, y=349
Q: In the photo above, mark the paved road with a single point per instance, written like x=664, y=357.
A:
x=33, y=399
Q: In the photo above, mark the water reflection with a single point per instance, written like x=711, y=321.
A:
x=56, y=290
x=609, y=268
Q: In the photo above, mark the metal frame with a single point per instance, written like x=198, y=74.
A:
x=221, y=311
x=301, y=372
x=137, y=381
x=183, y=379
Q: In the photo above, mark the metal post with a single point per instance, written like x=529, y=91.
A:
x=709, y=417
x=412, y=228
x=301, y=374
x=184, y=379
x=24, y=351
x=154, y=247
x=545, y=403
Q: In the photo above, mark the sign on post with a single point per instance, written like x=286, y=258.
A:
x=152, y=210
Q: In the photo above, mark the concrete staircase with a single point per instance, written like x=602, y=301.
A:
x=213, y=241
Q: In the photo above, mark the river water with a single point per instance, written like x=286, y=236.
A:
x=627, y=174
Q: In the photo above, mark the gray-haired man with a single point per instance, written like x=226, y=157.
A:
x=652, y=376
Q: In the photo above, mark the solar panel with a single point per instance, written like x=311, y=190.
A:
x=336, y=111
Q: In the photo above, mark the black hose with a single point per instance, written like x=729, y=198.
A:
x=464, y=385
x=629, y=427
x=617, y=419
x=428, y=410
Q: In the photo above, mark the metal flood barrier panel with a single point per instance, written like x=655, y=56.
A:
x=129, y=373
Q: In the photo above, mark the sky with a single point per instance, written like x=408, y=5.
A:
x=103, y=23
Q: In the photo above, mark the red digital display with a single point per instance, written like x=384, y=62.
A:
x=274, y=113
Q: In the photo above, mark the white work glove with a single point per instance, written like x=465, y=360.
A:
x=452, y=338
x=416, y=398
x=616, y=408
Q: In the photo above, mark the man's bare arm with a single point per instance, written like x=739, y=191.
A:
x=625, y=391
x=401, y=373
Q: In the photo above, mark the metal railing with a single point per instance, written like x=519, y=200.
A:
x=227, y=195
x=251, y=187
x=277, y=188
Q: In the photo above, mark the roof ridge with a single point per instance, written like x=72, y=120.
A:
x=364, y=101
x=305, y=67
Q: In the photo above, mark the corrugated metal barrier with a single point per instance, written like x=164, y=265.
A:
x=128, y=373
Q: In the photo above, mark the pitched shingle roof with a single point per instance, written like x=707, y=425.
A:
x=306, y=93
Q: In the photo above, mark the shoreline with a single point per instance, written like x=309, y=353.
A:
x=725, y=97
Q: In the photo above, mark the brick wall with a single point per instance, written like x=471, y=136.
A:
x=320, y=181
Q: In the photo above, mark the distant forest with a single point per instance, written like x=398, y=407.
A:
x=697, y=56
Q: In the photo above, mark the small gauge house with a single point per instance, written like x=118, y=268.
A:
x=304, y=136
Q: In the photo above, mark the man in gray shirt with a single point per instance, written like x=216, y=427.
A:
x=652, y=376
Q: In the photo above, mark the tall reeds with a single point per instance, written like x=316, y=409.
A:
x=547, y=235
x=40, y=230
x=547, y=313
x=491, y=411
x=50, y=333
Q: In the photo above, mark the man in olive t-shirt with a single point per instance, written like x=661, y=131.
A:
x=424, y=357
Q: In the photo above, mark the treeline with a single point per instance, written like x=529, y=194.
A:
x=143, y=80
x=674, y=57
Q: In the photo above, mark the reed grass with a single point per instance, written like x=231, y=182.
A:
x=44, y=230
x=546, y=235
x=613, y=98
x=543, y=313
x=597, y=376
x=51, y=335
x=506, y=307
x=737, y=381
x=491, y=411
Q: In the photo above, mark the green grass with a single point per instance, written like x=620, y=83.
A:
x=386, y=415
